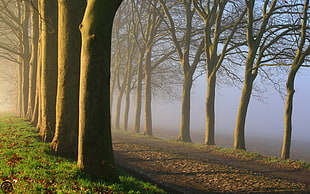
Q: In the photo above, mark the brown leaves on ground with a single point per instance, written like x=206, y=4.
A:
x=162, y=163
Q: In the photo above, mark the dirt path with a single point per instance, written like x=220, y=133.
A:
x=185, y=169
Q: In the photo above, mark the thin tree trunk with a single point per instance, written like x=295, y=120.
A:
x=118, y=108
x=95, y=153
x=139, y=94
x=239, y=135
x=126, y=108
x=148, y=94
x=210, y=109
x=36, y=116
x=184, y=134
x=26, y=59
x=19, y=90
x=33, y=60
x=286, y=146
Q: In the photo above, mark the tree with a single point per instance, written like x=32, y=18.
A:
x=95, y=154
x=48, y=11
x=262, y=35
x=33, y=59
x=184, y=49
x=15, y=46
x=25, y=59
x=67, y=104
x=302, y=51
x=219, y=29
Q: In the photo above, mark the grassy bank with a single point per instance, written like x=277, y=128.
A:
x=28, y=164
x=247, y=155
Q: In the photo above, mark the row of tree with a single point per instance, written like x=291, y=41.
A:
x=62, y=51
x=63, y=48
x=162, y=44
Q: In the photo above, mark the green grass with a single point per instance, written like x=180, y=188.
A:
x=28, y=165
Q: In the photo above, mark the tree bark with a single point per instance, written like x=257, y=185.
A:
x=239, y=134
x=210, y=108
x=36, y=116
x=49, y=68
x=299, y=58
x=184, y=134
x=286, y=146
x=95, y=153
x=65, y=140
x=25, y=60
x=33, y=60
x=118, y=107
x=148, y=130
x=139, y=93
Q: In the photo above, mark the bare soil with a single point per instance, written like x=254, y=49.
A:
x=180, y=168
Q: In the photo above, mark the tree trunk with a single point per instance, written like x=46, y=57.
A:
x=184, y=134
x=286, y=146
x=290, y=91
x=19, y=90
x=95, y=154
x=67, y=103
x=49, y=68
x=210, y=109
x=118, y=108
x=36, y=116
x=127, y=106
x=25, y=60
x=131, y=52
x=148, y=94
x=33, y=60
x=139, y=94
x=239, y=135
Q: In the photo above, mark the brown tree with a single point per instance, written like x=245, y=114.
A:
x=303, y=50
x=48, y=11
x=184, y=49
x=67, y=104
x=95, y=154
x=219, y=29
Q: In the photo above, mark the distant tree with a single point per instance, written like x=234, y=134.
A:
x=182, y=34
x=302, y=51
x=137, y=29
x=265, y=37
x=33, y=59
x=122, y=69
x=220, y=26
x=15, y=45
x=67, y=104
x=95, y=154
x=48, y=11
x=25, y=50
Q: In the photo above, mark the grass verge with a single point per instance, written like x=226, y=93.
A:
x=246, y=155
x=27, y=164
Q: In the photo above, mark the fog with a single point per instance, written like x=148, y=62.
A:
x=264, y=124
x=7, y=86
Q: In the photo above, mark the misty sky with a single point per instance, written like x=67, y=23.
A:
x=264, y=118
